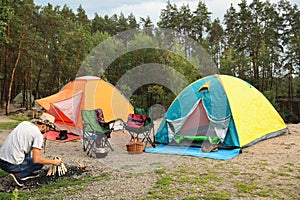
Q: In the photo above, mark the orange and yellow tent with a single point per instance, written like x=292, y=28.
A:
x=85, y=93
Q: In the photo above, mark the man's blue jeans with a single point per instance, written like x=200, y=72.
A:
x=24, y=169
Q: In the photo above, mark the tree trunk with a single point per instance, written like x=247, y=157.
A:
x=5, y=68
x=1, y=91
x=13, y=73
x=29, y=105
x=38, y=83
x=37, y=94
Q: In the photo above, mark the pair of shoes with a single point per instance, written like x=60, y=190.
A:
x=32, y=175
x=63, y=135
x=209, y=148
x=215, y=148
x=16, y=179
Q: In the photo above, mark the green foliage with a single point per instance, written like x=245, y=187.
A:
x=271, y=96
x=20, y=117
x=160, y=171
x=258, y=42
x=15, y=194
x=246, y=188
x=164, y=183
x=3, y=173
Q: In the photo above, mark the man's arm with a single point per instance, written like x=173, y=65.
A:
x=36, y=156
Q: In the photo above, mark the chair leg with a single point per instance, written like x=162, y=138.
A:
x=109, y=144
x=90, y=150
x=84, y=144
x=131, y=135
x=147, y=136
x=88, y=143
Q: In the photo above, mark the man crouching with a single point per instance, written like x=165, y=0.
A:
x=20, y=154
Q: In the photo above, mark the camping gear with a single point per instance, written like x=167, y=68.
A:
x=101, y=152
x=135, y=147
x=222, y=109
x=60, y=169
x=85, y=93
x=22, y=98
x=53, y=135
x=140, y=126
x=221, y=154
x=95, y=134
x=63, y=135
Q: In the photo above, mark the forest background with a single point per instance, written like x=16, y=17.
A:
x=42, y=49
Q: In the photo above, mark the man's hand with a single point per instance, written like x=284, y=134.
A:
x=59, y=167
x=57, y=162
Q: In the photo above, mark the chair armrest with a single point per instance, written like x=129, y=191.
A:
x=86, y=124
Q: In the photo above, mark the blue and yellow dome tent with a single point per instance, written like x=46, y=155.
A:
x=237, y=112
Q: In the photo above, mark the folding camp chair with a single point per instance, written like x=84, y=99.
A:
x=140, y=126
x=95, y=131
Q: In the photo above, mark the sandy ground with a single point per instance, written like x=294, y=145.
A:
x=276, y=152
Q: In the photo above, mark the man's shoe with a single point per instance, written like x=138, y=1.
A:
x=63, y=135
x=16, y=179
x=32, y=175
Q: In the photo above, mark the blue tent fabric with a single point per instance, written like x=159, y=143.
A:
x=221, y=154
x=214, y=100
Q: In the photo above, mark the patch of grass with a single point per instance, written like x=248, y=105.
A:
x=102, y=176
x=5, y=195
x=183, y=170
x=246, y=188
x=12, y=124
x=275, y=196
x=219, y=165
x=235, y=173
x=200, y=181
x=184, y=179
x=161, y=190
x=191, y=198
x=218, y=196
x=285, y=191
x=69, y=183
x=160, y=171
x=213, y=177
x=156, y=164
x=8, y=125
x=154, y=194
x=164, y=183
x=128, y=167
x=19, y=117
x=16, y=194
x=283, y=174
x=290, y=164
x=62, y=186
x=211, y=196
x=3, y=173
x=130, y=175
x=264, y=193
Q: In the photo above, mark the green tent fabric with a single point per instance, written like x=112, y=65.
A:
x=19, y=98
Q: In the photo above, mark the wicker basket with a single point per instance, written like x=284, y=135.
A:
x=135, y=147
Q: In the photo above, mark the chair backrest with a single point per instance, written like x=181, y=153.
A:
x=90, y=122
x=136, y=120
x=100, y=115
x=142, y=117
x=145, y=111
